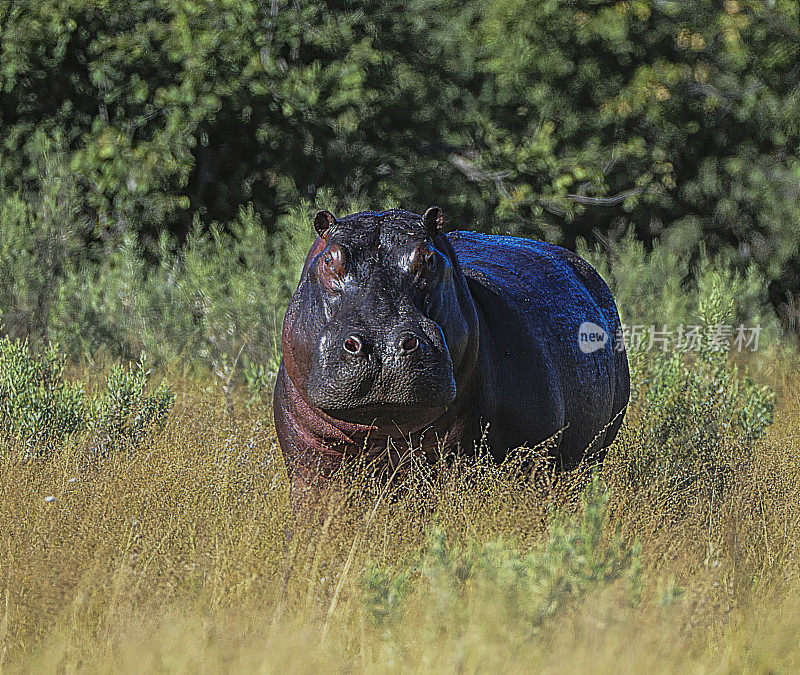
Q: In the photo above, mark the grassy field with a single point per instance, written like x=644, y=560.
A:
x=174, y=556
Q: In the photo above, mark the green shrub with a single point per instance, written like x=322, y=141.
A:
x=578, y=557
x=217, y=300
x=40, y=242
x=663, y=286
x=218, y=297
x=123, y=412
x=383, y=593
x=37, y=406
x=40, y=410
x=693, y=413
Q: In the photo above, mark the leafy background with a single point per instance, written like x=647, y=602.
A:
x=159, y=159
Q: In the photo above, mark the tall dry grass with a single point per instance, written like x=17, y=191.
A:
x=175, y=556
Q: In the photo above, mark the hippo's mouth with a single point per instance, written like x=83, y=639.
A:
x=391, y=419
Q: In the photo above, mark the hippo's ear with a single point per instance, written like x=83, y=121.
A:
x=433, y=220
x=323, y=222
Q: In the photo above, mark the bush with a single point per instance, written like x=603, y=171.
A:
x=40, y=410
x=693, y=413
x=40, y=243
x=37, y=407
x=217, y=297
x=123, y=412
x=521, y=591
x=663, y=286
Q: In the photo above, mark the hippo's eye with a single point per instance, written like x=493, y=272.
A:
x=333, y=266
x=425, y=265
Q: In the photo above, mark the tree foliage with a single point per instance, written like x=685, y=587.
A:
x=551, y=118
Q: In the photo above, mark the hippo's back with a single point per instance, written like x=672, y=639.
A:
x=535, y=298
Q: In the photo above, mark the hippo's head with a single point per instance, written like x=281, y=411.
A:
x=377, y=330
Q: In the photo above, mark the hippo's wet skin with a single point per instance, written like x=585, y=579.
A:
x=400, y=332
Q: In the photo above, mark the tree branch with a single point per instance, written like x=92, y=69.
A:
x=604, y=201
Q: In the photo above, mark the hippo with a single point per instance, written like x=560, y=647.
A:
x=402, y=336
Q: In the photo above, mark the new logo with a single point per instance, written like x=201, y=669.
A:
x=591, y=337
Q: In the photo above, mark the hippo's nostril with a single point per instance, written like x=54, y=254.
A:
x=408, y=343
x=352, y=345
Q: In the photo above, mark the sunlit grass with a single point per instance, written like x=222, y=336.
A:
x=175, y=556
